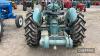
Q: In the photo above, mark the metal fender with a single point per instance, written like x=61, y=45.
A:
x=37, y=16
x=71, y=15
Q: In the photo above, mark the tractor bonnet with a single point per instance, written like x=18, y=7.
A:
x=4, y=2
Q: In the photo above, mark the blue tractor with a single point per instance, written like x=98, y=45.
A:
x=46, y=28
x=6, y=13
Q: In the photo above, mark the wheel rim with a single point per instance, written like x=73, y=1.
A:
x=20, y=21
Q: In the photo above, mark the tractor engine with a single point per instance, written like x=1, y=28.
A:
x=4, y=12
x=52, y=18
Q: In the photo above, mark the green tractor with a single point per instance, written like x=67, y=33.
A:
x=46, y=28
x=27, y=3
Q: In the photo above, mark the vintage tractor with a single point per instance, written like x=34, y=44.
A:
x=81, y=7
x=97, y=3
x=54, y=27
x=87, y=3
x=27, y=3
x=6, y=13
x=67, y=3
x=76, y=4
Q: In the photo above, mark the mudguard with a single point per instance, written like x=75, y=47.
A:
x=71, y=15
x=37, y=16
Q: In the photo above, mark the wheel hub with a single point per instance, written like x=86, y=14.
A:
x=20, y=21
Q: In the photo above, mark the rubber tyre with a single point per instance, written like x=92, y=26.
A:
x=77, y=30
x=24, y=8
x=32, y=32
x=1, y=30
x=19, y=21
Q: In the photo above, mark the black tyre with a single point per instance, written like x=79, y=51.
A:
x=1, y=29
x=77, y=30
x=32, y=32
x=24, y=7
x=19, y=21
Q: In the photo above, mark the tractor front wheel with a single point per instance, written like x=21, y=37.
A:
x=32, y=32
x=77, y=30
x=1, y=29
x=19, y=21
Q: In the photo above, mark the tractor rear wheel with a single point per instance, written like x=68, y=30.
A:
x=1, y=30
x=32, y=32
x=77, y=30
